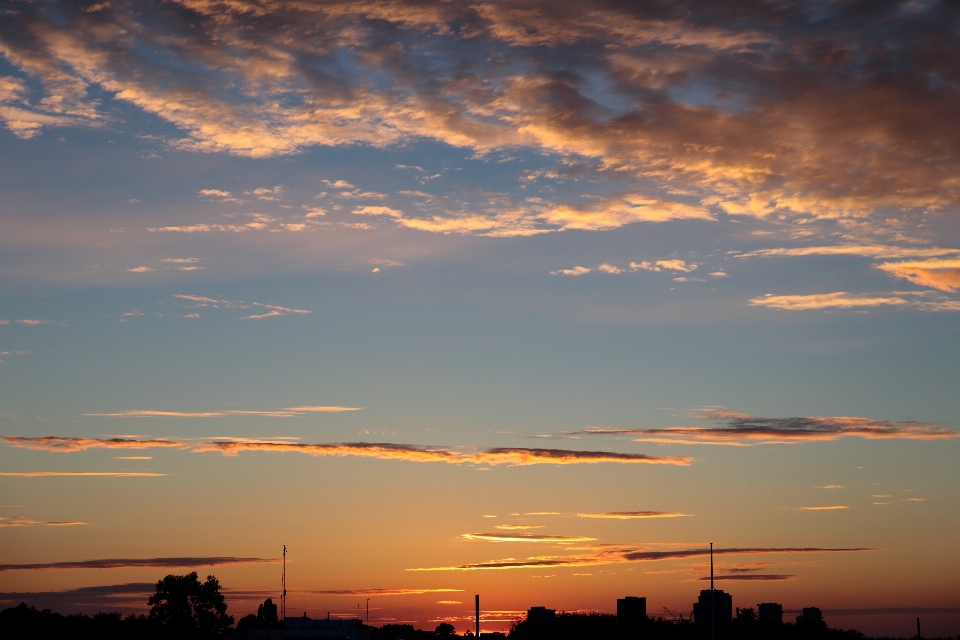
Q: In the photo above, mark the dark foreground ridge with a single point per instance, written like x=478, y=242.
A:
x=183, y=608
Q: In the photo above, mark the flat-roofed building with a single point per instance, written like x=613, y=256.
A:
x=770, y=612
x=631, y=608
x=810, y=614
x=538, y=613
x=720, y=602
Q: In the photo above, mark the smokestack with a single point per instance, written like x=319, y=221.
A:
x=476, y=600
x=713, y=597
x=918, y=628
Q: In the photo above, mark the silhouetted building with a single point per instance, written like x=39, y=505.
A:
x=632, y=608
x=306, y=628
x=770, y=612
x=538, y=613
x=810, y=614
x=722, y=606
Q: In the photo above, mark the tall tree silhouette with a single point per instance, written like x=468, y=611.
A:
x=182, y=607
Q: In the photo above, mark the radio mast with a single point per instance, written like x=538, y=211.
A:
x=283, y=594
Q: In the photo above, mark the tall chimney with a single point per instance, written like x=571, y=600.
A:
x=476, y=600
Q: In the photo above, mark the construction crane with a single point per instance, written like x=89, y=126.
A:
x=676, y=616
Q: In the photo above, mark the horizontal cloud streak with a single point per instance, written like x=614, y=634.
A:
x=379, y=592
x=104, y=474
x=747, y=430
x=631, y=515
x=525, y=537
x=116, y=563
x=622, y=555
x=760, y=577
x=379, y=450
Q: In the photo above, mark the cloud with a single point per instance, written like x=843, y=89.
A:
x=659, y=265
x=843, y=300
x=180, y=260
x=71, y=445
x=622, y=555
x=137, y=562
x=27, y=522
x=633, y=515
x=321, y=409
x=836, y=300
x=576, y=271
x=517, y=527
x=222, y=196
x=118, y=597
x=380, y=592
x=105, y=474
x=826, y=508
x=761, y=577
x=140, y=269
x=862, y=250
x=379, y=450
x=746, y=121
x=149, y=413
x=525, y=537
x=741, y=430
x=32, y=322
x=937, y=274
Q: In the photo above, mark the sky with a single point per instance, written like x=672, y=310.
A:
x=530, y=300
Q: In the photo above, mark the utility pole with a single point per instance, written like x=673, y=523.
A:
x=713, y=606
x=368, y=612
x=283, y=594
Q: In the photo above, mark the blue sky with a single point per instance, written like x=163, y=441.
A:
x=421, y=241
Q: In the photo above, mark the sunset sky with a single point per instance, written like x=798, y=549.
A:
x=527, y=299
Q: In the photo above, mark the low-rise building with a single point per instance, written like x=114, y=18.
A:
x=770, y=612
x=716, y=600
x=631, y=608
x=536, y=613
x=810, y=614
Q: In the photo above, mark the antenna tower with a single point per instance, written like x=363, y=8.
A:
x=283, y=594
x=713, y=606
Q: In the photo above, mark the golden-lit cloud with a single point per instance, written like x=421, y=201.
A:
x=27, y=522
x=634, y=515
x=379, y=450
x=136, y=562
x=321, y=409
x=69, y=445
x=747, y=577
x=823, y=508
x=618, y=554
x=525, y=537
x=835, y=300
x=104, y=474
x=743, y=430
x=151, y=413
x=517, y=527
x=768, y=135
x=862, y=250
x=942, y=274
x=379, y=592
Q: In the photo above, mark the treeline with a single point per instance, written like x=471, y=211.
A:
x=184, y=608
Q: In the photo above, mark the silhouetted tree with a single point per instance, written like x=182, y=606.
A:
x=182, y=607
x=267, y=613
x=445, y=630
